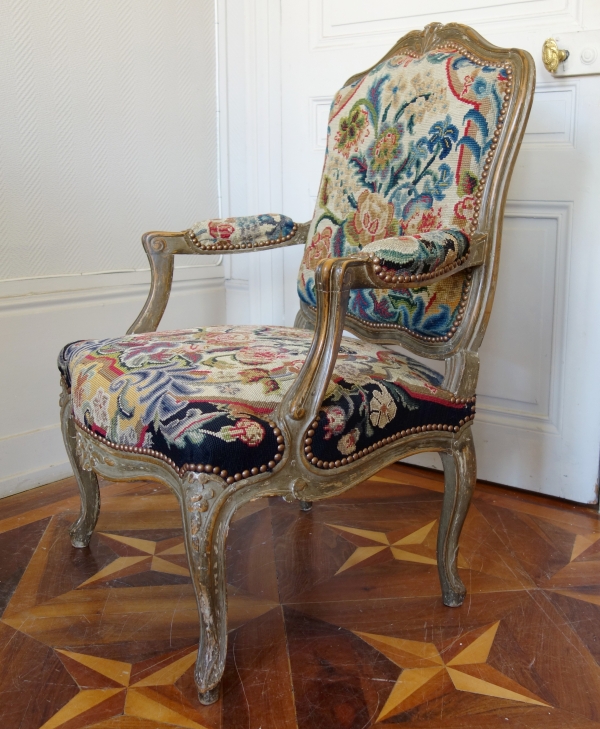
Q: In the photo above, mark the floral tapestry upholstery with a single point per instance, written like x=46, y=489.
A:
x=250, y=231
x=425, y=253
x=407, y=145
x=202, y=399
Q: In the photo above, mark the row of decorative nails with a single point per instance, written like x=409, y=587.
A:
x=311, y=458
x=423, y=337
x=225, y=245
x=199, y=467
x=389, y=276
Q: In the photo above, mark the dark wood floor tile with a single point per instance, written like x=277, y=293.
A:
x=542, y=631
x=581, y=610
x=575, y=575
x=385, y=488
x=518, y=497
x=306, y=551
x=33, y=681
x=57, y=567
x=89, y=707
x=540, y=546
x=340, y=682
x=250, y=557
x=127, y=512
x=250, y=507
x=257, y=688
x=16, y=549
x=41, y=497
x=569, y=517
x=140, y=489
x=147, y=578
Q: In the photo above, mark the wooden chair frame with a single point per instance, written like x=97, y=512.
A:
x=207, y=501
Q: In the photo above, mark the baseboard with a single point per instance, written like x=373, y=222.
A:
x=32, y=459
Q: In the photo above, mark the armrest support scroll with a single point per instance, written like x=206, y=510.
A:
x=161, y=247
x=334, y=279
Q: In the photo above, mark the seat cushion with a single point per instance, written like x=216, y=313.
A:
x=203, y=399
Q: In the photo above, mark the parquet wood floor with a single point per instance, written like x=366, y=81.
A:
x=335, y=615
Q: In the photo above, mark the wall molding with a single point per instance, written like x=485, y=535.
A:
x=92, y=289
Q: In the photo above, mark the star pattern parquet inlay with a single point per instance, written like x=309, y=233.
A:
x=335, y=615
x=425, y=669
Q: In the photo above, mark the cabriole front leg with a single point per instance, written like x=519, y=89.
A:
x=81, y=531
x=460, y=474
x=206, y=515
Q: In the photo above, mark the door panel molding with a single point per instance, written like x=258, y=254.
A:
x=523, y=361
x=552, y=118
x=337, y=23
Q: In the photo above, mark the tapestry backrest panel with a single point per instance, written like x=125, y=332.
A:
x=406, y=148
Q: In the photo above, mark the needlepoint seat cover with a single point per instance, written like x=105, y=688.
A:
x=206, y=396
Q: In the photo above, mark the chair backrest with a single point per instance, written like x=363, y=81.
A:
x=425, y=139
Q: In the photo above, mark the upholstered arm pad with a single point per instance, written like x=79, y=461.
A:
x=425, y=256
x=251, y=231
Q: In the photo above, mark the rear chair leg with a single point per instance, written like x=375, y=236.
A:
x=460, y=474
x=81, y=531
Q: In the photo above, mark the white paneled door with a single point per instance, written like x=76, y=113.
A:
x=538, y=421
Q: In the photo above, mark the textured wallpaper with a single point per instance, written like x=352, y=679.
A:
x=107, y=129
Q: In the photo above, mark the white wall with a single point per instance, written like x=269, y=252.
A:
x=251, y=153
x=107, y=129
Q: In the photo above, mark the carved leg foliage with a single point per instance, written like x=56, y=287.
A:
x=460, y=473
x=206, y=515
x=82, y=529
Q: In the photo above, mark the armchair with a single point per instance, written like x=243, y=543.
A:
x=403, y=249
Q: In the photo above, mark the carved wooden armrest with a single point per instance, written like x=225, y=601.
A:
x=161, y=247
x=412, y=259
x=334, y=279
